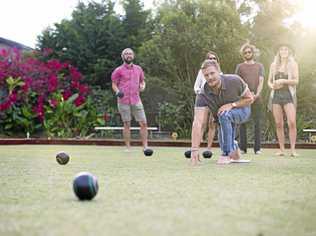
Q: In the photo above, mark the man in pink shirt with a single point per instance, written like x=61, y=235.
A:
x=127, y=82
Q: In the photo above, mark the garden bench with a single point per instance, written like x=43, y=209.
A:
x=103, y=128
x=311, y=137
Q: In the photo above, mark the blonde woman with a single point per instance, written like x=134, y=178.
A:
x=283, y=79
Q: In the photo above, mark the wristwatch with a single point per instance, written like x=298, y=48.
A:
x=234, y=104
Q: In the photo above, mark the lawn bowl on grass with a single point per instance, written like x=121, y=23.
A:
x=164, y=195
x=62, y=158
x=148, y=152
x=85, y=186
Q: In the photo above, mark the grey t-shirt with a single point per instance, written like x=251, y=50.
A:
x=232, y=89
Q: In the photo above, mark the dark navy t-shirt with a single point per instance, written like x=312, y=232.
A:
x=232, y=89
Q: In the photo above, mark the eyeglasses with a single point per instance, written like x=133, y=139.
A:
x=247, y=52
x=212, y=58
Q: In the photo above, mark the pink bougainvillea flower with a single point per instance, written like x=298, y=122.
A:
x=4, y=53
x=52, y=83
x=5, y=105
x=75, y=84
x=13, y=97
x=106, y=117
x=66, y=94
x=54, y=65
x=75, y=74
x=39, y=110
x=79, y=101
x=27, y=84
x=83, y=89
x=53, y=103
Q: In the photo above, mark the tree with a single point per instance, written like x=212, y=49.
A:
x=137, y=23
x=92, y=40
x=184, y=32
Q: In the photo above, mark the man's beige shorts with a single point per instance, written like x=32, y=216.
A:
x=136, y=110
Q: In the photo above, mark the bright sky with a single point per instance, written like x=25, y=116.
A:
x=307, y=14
x=23, y=20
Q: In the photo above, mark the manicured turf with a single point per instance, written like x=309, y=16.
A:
x=158, y=195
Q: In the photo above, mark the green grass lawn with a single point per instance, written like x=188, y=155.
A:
x=158, y=195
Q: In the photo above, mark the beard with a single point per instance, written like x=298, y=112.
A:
x=128, y=61
x=249, y=58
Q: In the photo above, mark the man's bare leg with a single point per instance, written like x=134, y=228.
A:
x=127, y=134
x=144, y=133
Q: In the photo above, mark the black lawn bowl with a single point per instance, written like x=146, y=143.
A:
x=148, y=152
x=85, y=186
x=187, y=154
x=207, y=154
x=62, y=158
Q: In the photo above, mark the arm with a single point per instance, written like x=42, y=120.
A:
x=237, y=70
x=198, y=82
x=142, y=86
x=260, y=86
x=261, y=79
x=115, y=80
x=246, y=99
x=294, y=78
x=199, y=118
x=114, y=87
x=142, y=83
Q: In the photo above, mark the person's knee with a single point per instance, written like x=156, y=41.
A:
x=127, y=125
x=292, y=124
x=197, y=124
x=143, y=124
x=224, y=117
x=279, y=124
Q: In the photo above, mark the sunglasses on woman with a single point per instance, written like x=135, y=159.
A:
x=247, y=52
x=212, y=58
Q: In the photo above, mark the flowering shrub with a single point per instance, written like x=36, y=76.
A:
x=34, y=91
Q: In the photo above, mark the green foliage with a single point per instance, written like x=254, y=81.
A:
x=19, y=119
x=137, y=23
x=170, y=117
x=185, y=31
x=91, y=40
x=95, y=36
x=172, y=43
x=12, y=83
x=106, y=106
x=67, y=120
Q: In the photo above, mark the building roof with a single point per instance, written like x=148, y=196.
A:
x=14, y=44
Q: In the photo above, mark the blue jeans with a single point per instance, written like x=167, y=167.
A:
x=227, y=127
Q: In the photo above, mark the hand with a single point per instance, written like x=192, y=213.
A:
x=198, y=91
x=119, y=94
x=142, y=87
x=255, y=96
x=276, y=86
x=195, y=157
x=279, y=82
x=224, y=108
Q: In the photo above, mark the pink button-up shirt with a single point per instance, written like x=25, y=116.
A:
x=128, y=78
